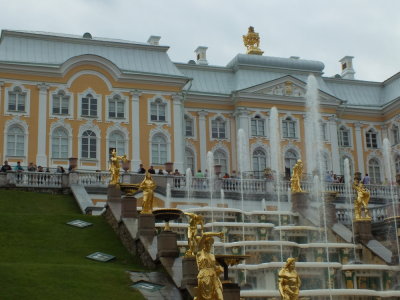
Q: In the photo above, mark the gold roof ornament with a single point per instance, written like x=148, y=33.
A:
x=252, y=42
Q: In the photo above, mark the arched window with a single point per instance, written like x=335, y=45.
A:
x=290, y=161
x=259, y=161
x=89, y=145
x=116, y=107
x=220, y=159
x=342, y=171
x=15, y=141
x=117, y=141
x=60, y=103
x=189, y=160
x=257, y=126
x=289, y=128
x=158, y=150
x=218, y=128
x=397, y=164
x=395, y=134
x=59, y=143
x=189, y=132
x=372, y=138
x=157, y=111
x=16, y=100
x=344, y=137
x=89, y=106
x=374, y=171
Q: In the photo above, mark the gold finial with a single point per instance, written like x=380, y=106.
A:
x=361, y=202
x=115, y=166
x=296, y=176
x=252, y=42
x=209, y=285
x=289, y=281
x=147, y=186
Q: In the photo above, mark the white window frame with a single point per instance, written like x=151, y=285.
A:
x=89, y=126
x=99, y=105
x=110, y=137
x=70, y=104
x=27, y=100
x=372, y=175
x=192, y=120
x=227, y=126
x=253, y=161
x=369, y=138
x=68, y=128
x=348, y=129
x=226, y=170
x=22, y=124
x=258, y=118
x=167, y=110
x=159, y=162
x=194, y=160
x=296, y=127
x=395, y=134
x=123, y=99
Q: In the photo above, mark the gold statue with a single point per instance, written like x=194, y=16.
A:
x=361, y=203
x=296, y=176
x=115, y=166
x=289, y=281
x=209, y=286
x=147, y=186
x=192, y=232
x=252, y=42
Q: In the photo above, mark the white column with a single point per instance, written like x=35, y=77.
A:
x=233, y=144
x=203, y=139
x=360, y=153
x=334, y=144
x=179, y=153
x=41, y=157
x=135, y=161
x=242, y=115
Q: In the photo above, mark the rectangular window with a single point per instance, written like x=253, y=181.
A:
x=324, y=131
x=60, y=105
x=257, y=127
x=188, y=127
x=116, y=109
x=372, y=141
x=89, y=107
x=157, y=111
x=289, y=129
x=16, y=102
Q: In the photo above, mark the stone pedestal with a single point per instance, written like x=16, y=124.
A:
x=330, y=208
x=113, y=193
x=167, y=245
x=189, y=271
x=362, y=230
x=146, y=225
x=300, y=201
x=128, y=207
x=231, y=291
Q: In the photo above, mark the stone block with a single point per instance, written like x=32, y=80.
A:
x=189, y=271
x=300, y=201
x=167, y=245
x=113, y=193
x=129, y=207
x=363, y=230
x=146, y=225
x=231, y=291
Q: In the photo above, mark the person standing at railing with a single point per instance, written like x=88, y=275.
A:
x=6, y=167
x=366, y=179
x=177, y=181
x=18, y=168
x=32, y=167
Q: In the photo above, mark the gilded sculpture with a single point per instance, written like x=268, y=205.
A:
x=289, y=281
x=209, y=286
x=115, y=166
x=193, y=232
x=252, y=42
x=296, y=176
x=361, y=202
x=147, y=186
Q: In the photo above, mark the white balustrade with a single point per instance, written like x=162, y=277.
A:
x=38, y=179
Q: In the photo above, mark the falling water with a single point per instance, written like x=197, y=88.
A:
x=263, y=204
x=276, y=164
x=347, y=182
x=168, y=200
x=389, y=175
x=188, y=185
x=210, y=179
x=314, y=148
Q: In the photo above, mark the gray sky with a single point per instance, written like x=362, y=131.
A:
x=324, y=30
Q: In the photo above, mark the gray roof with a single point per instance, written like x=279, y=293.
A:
x=54, y=49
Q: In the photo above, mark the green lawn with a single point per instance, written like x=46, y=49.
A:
x=43, y=258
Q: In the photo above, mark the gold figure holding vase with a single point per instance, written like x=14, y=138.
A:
x=361, y=203
x=209, y=286
x=193, y=232
x=296, y=176
x=289, y=281
x=252, y=42
x=115, y=166
x=147, y=186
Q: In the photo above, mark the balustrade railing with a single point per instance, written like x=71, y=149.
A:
x=38, y=179
x=94, y=178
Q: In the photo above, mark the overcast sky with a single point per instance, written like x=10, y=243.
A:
x=324, y=30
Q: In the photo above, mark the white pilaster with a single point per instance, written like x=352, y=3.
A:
x=179, y=146
x=135, y=161
x=242, y=115
x=334, y=144
x=41, y=157
x=360, y=153
x=203, y=139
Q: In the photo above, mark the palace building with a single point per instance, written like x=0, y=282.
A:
x=64, y=96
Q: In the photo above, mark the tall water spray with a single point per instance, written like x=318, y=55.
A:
x=314, y=150
x=188, y=185
x=168, y=199
x=210, y=165
x=389, y=176
x=347, y=182
x=276, y=163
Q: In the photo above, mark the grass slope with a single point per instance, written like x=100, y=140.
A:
x=43, y=258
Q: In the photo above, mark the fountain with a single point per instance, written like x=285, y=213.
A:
x=188, y=183
x=168, y=196
x=347, y=180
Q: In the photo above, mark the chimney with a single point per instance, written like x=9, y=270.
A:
x=201, y=55
x=347, y=67
x=153, y=40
